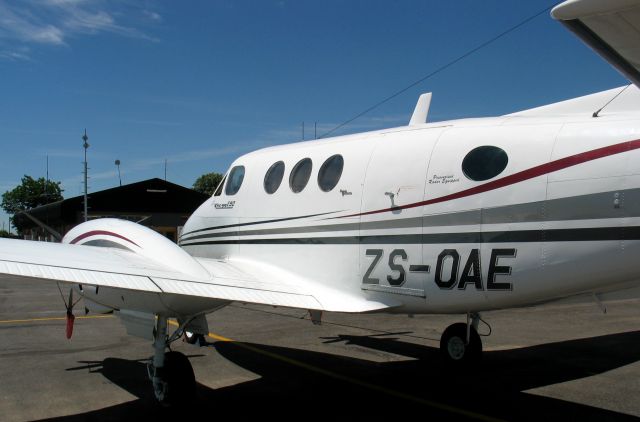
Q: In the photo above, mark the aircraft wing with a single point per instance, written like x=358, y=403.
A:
x=124, y=269
x=611, y=28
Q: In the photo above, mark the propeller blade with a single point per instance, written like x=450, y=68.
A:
x=70, y=320
x=70, y=306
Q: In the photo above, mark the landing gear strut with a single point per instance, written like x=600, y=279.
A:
x=170, y=372
x=460, y=342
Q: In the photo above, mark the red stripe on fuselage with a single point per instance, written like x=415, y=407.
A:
x=521, y=176
x=101, y=233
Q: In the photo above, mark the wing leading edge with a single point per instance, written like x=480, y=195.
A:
x=611, y=28
x=123, y=269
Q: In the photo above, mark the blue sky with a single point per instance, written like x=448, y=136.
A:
x=200, y=82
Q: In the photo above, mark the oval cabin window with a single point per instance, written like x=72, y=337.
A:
x=236, y=176
x=330, y=172
x=484, y=163
x=300, y=175
x=273, y=178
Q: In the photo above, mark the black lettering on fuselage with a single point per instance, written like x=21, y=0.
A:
x=495, y=269
x=471, y=273
x=377, y=254
x=447, y=267
x=453, y=277
x=398, y=281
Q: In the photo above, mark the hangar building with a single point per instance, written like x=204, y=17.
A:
x=155, y=203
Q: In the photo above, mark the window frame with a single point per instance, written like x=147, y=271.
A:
x=270, y=172
x=230, y=179
x=296, y=169
x=324, y=166
x=472, y=155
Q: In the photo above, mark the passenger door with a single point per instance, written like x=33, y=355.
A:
x=391, y=222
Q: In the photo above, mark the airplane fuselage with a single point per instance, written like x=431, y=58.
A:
x=543, y=208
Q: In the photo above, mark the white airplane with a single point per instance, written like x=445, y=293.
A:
x=454, y=217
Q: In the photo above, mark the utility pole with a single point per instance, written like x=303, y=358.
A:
x=46, y=182
x=46, y=186
x=117, y=163
x=85, y=138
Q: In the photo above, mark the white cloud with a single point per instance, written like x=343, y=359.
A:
x=13, y=55
x=194, y=155
x=55, y=22
x=153, y=16
x=63, y=2
x=22, y=25
x=362, y=124
x=163, y=123
x=79, y=20
x=48, y=34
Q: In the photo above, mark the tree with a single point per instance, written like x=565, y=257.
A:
x=6, y=234
x=207, y=183
x=29, y=194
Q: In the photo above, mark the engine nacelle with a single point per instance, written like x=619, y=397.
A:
x=123, y=234
x=138, y=239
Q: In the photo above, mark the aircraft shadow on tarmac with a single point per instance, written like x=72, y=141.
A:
x=298, y=383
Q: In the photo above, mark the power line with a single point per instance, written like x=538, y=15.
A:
x=441, y=68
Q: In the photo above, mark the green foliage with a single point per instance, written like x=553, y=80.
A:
x=6, y=234
x=207, y=183
x=29, y=194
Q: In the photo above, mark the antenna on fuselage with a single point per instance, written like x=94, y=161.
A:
x=421, y=111
x=597, y=112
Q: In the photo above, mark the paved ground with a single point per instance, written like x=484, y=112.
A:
x=568, y=361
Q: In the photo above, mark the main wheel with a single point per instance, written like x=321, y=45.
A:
x=454, y=347
x=179, y=378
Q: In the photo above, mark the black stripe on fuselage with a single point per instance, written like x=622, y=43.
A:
x=582, y=207
x=256, y=222
x=515, y=236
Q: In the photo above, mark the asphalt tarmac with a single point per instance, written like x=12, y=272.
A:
x=553, y=361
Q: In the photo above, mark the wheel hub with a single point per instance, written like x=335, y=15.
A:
x=456, y=348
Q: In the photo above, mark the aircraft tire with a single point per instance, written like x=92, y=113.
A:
x=453, y=345
x=180, y=379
